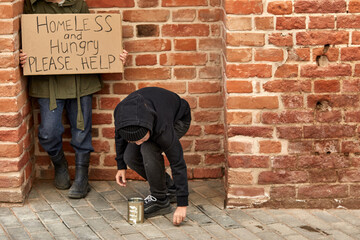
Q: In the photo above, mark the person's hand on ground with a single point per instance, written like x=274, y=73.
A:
x=179, y=215
x=121, y=177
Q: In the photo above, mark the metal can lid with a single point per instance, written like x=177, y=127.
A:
x=135, y=199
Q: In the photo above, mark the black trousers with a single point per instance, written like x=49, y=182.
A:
x=147, y=160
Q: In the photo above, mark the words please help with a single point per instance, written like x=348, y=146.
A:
x=71, y=43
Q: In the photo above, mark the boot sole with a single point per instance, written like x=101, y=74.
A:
x=79, y=195
x=63, y=187
x=161, y=211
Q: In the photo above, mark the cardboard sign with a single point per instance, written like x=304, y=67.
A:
x=71, y=43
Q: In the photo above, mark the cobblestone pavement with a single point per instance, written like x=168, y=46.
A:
x=49, y=214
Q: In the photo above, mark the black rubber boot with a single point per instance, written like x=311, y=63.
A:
x=62, y=178
x=80, y=186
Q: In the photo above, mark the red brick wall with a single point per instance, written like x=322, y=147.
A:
x=16, y=124
x=172, y=44
x=273, y=87
x=292, y=99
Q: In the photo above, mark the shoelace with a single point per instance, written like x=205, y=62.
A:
x=150, y=198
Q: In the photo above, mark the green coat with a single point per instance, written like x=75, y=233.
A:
x=61, y=86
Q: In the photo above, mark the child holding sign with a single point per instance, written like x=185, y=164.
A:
x=72, y=92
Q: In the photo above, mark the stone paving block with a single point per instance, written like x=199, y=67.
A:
x=110, y=235
x=48, y=216
x=346, y=228
x=5, y=211
x=99, y=203
x=177, y=234
x=112, y=196
x=244, y=234
x=41, y=236
x=127, y=192
x=200, y=218
x=269, y=236
x=281, y=229
x=345, y=215
x=226, y=222
x=84, y=233
x=149, y=231
x=123, y=227
x=196, y=232
x=210, y=210
x=3, y=237
x=92, y=194
x=296, y=237
x=33, y=226
x=101, y=186
x=2, y=231
x=135, y=236
x=197, y=199
x=24, y=213
x=72, y=237
x=141, y=187
x=73, y=220
x=218, y=202
x=98, y=224
x=310, y=232
x=62, y=208
x=33, y=194
x=53, y=197
x=44, y=186
x=287, y=219
x=59, y=229
x=219, y=232
x=254, y=226
x=111, y=215
x=9, y=221
x=162, y=223
x=239, y=215
x=309, y=219
x=207, y=191
x=78, y=202
x=87, y=212
x=121, y=207
x=261, y=215
x=17, y=233
x=325, y=216
x=38, y=205
x=338, y=235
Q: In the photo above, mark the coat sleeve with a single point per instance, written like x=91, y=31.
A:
x=120, y=146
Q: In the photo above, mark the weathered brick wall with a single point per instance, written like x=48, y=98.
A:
x=172, y=44
x=16, y=124
x=292, y=99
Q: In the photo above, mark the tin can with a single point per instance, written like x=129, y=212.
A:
x=135, y=210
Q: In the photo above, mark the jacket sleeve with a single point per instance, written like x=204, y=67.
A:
x=120, y=146
x=175, y=155
x=28, y=7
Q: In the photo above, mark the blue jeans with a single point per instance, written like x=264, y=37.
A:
x=51, y=128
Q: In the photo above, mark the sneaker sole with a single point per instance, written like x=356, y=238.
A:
x=162, y=211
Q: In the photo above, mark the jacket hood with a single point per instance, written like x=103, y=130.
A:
x=134, y=110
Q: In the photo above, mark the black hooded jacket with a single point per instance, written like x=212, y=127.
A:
x=156, y=109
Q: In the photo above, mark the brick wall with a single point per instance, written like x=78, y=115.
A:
x=273, y=87
x=292, y=103
x=172, y=44
x=16, y=124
